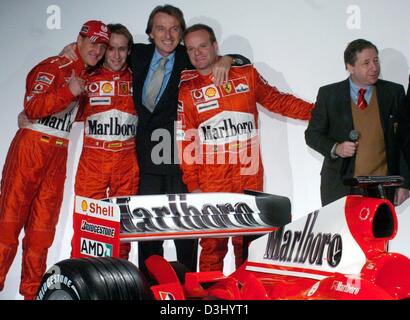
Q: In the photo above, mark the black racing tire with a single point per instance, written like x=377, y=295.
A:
x=113, y=266
x=138, y=286
x=74, y=279
x=94, y=279
x=180, y=269
x=115, y=290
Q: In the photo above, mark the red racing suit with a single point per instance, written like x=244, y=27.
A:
x=218, y=139
x=108, y=164
x=33, y=178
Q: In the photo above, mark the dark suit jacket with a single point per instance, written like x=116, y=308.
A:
x=164, y=114
x=332, y=122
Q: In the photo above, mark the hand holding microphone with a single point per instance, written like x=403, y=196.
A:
x=348, y=148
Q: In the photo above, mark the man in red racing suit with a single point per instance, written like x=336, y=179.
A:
x=108, y=165
x=218, y=131
x=34, y=172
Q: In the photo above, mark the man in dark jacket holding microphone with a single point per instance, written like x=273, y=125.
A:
x=360, y=125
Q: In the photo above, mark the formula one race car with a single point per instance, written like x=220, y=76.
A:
x=337, y=252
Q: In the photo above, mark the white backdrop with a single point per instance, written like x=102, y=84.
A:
x=297, y=45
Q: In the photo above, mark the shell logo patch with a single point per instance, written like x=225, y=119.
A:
x=205, y=94
x=84, y=205
x=107, y=87
x=210, y=92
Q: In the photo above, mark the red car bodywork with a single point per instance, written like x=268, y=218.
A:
x=338, y=252
x=382, y=275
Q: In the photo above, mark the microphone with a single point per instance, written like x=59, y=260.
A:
x=354, y=136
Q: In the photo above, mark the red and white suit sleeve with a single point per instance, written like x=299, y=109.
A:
x=283, y=103
x=47, y=92
x=188, y=139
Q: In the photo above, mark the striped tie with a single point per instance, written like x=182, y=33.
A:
x=361, y=101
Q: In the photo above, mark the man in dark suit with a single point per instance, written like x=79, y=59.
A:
x=372, y=108
x=156, y=149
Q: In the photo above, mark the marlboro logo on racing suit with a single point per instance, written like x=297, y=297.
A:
x=226, y=127
x=111, y=125
x=58, y=124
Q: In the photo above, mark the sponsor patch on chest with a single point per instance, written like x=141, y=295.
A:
x=124, y=88
x=100, y=101
x=207, y=106
x=211, y=92
x=241, y=85
x=109, y=88
x=205, y=94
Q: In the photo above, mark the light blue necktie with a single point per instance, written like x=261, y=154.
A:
x=155, y=85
